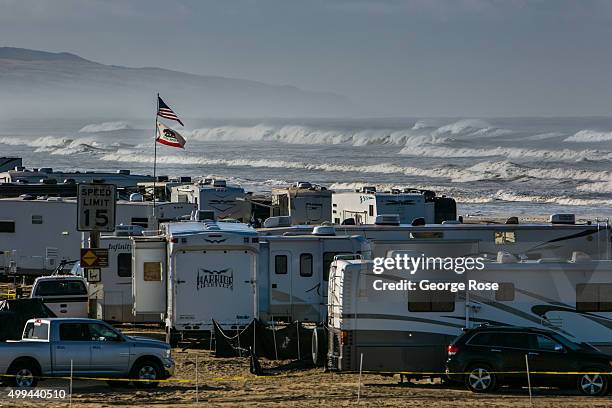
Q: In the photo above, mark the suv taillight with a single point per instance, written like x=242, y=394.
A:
x=452, y=350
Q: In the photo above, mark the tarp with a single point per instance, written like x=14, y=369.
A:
x=15, y=313
x=288, y=342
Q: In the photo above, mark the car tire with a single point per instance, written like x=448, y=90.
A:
x=593, y=385
x=145, y=372
x=480, y=379
x=25, y=375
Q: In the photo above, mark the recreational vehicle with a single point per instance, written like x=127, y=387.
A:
x=215, y=195
x=528, y=241
x=195, y=272
x=52, y=222
x=121, y=178
x=363, y=206
x=293, y=272
x=408, y=330
x=304, y=202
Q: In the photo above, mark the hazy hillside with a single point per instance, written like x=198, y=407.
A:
x=62, y=84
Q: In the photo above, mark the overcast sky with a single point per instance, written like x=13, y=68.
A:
x=414, y=58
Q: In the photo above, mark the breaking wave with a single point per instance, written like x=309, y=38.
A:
x=105, y=127
x=587, y=136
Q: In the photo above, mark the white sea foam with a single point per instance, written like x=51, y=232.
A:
x=105, y=127
x=587, y=135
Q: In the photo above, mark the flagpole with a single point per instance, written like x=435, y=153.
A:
x=155, y=156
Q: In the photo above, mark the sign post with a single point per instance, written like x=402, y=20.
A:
x=97, y=205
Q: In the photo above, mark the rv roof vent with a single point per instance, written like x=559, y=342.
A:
x=136, y=198
x=368, y=189
x=206, y=181
x=506, y=257
x=185, y=179
x=579, y=256
x=417, y=222
x=19, y=168
x=512, y=220
x=124, y=172
x=395, y=191
x=69, y=181
x=281, y=221
x=46, y=170
x=219, y=183
x=387, y=219
x=326, y=230
x=162, y=179
x=303, y=184
x=451, y=222
x=48, y=181
x=562, y=219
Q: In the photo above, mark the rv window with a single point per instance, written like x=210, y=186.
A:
x=36, y=331
x=143, y=222
x=37, y=219
x=61, y=288
x=7, y=226
x=306, y=265
x=594, y=297
x=371, y=208
x=152, y=271
x=505, y=293
x=124, y=265
x=430, y=301
x=280, y=264
x=74, y=332
x=505, y=237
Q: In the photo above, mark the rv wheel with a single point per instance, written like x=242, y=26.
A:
x=319, y=346
x=593, y=385
x=480, y=379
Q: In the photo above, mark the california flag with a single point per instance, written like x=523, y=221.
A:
x=169, y=137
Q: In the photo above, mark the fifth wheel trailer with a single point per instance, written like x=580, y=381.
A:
x=409, y=330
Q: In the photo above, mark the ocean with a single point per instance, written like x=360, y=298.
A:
x=492, y=167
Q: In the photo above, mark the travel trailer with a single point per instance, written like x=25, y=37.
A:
x=529, y=241
x=409, y=330
x=215, y=195
x=52, y=222
x=364, y=205
x=304, y=202
x=20, y=174
x=293, y=272
x=194, y=272
x=112, y=295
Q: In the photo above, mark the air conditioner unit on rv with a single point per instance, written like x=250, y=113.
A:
x=387, y=219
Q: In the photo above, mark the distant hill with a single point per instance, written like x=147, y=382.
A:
x=49, y=84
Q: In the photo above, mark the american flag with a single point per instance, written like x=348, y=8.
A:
x=164, y=111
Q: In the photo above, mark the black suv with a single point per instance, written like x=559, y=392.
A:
x=487, y=357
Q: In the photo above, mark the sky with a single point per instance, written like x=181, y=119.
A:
x=391, y=57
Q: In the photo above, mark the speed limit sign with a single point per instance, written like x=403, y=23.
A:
x=96, y=207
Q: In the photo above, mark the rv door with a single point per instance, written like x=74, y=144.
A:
x=149, y=277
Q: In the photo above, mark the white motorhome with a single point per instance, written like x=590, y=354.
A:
x=20, y=174
x=529, y=241
x=364, y=205
x=215, y=195
x=38, y=234
x=409, y=330
x=195, y=272
x=293, y=272
x=304, y=202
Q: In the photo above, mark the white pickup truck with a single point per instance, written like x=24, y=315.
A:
x=94, y=349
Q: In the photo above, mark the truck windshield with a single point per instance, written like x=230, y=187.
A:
x=60, y=288
x=36, y=331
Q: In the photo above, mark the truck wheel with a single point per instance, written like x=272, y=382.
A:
x=593, y=385
x=145, y=373
x=319, y=346
x=25, y=375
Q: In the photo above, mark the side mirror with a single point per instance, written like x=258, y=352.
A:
x=559, y=348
